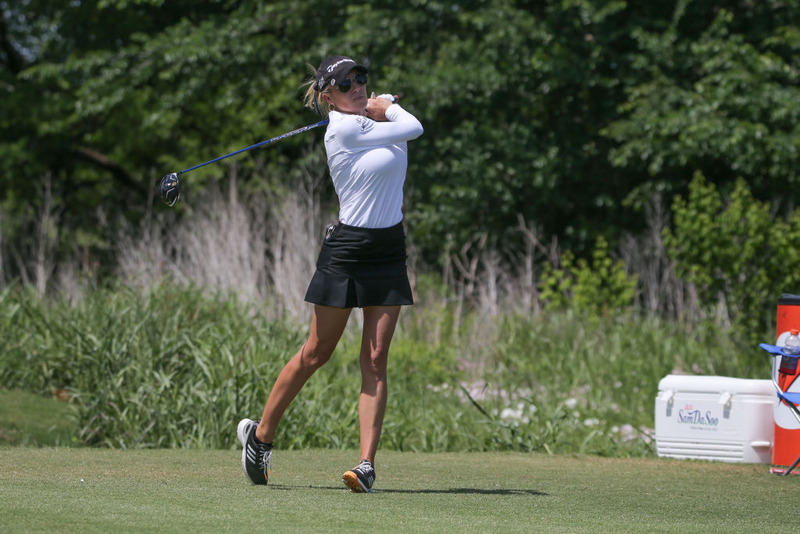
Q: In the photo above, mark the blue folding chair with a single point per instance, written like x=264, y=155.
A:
x=789, y=398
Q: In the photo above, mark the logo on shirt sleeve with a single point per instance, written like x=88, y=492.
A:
x=365, y=123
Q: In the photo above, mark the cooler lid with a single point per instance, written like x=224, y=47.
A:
x=716, y=384
x=789, y=299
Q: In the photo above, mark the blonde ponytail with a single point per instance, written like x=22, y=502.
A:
x=313, y=98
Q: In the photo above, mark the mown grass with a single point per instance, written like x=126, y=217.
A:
x=30, y=420
x=176, y=367
x=193, y=490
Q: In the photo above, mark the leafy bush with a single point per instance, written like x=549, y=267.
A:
x=735, y=251
x=602, y=289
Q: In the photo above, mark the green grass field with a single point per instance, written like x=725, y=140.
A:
x=194, y=490
x=32, y=420
x=143, y=382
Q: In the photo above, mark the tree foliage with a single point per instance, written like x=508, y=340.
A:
x=569, y=113
x=718, y=98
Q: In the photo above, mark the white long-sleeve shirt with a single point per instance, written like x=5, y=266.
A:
x=368, y=162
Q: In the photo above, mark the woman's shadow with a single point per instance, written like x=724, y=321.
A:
x=455, y=491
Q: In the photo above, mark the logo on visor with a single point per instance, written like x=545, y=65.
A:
x=332, y=67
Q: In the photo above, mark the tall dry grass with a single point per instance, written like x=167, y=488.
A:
x=35, y=257
x=259, y=247
x=262, y=247
x=661, y=292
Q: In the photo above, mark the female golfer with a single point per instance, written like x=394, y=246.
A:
x=362, y=263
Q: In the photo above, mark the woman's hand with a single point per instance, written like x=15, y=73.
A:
x=376, y=108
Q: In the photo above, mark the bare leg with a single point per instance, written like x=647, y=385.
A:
x=379, y=325
x=327, y=327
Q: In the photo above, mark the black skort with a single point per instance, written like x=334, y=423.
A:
x=360, y=267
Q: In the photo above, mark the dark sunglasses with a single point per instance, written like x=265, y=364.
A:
x=347, y=83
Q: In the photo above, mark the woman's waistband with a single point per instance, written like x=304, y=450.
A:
x=389, y=230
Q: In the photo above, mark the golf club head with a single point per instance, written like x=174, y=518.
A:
x=170, y=189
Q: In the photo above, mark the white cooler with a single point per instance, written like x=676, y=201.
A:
x=715, y=418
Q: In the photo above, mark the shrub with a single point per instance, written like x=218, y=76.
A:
x=736, y=252
x=601, y=290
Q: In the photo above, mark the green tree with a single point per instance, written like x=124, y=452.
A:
x=62, y=155
x=553, y=110
x=717, y=95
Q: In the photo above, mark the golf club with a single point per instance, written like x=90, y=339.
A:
x=170, y=188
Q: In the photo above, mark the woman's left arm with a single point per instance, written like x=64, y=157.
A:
x=365, y=132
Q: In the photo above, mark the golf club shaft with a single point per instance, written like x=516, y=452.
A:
x=262, y=143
